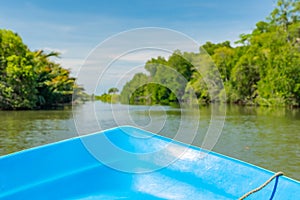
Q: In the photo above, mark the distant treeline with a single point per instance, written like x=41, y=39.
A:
x=29, y=80
x=110, y=97
x=263, y=68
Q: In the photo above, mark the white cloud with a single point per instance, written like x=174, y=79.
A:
x=50, y=49
x=73, y=64
x=140, y=55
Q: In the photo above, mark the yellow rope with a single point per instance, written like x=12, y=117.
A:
x=262, y=186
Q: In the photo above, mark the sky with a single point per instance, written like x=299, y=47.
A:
x=77, y=28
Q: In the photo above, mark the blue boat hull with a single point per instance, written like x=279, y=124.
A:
x=70, y=170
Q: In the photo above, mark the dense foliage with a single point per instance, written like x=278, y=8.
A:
x=29, y=80
x=263, y=68
x=110, y=97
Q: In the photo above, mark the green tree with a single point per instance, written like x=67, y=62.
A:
x=133, y=91
x=29, y=80
x=113, y=90
x=263, y=69
x=17, y=69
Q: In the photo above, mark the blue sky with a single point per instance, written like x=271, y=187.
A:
x=75, y=27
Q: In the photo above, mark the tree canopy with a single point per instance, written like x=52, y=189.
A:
x=111, y=97
x=113, y=90
x=262, y=69
x=28, y=79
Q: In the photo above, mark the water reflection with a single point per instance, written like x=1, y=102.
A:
x=268, y=137
x=24, y=129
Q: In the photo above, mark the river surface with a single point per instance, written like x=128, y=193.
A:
x=267, y=137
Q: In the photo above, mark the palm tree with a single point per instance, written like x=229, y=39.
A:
x=113, y=90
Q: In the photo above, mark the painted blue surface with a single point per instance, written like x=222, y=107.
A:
x=68, y=170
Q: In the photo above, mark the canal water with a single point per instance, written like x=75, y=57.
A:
x=267, y=137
